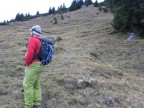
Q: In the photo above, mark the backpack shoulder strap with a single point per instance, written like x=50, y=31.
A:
x=39, y=38
x=36, y=55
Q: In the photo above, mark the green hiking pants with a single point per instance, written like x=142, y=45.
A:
x=31, y=84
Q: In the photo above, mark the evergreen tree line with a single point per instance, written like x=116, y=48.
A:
x=21, y=17
x=128, y=15
x=75, y=5
x=52, y=10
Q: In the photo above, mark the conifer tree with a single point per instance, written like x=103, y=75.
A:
x=73, y=6
x=62, y=9
x=76, y=4
x=19, y=17
x=50, y=11
x=53, y=10
x=96, y=4
x=63, y=6
x=79, y=3
x=37, y=13
x=88, y=2
x=128, y=15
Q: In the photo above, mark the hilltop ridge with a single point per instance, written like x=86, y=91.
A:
x=90, y=67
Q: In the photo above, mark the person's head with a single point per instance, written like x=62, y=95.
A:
x=35, y=30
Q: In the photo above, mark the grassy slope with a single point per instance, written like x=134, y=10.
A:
x=86, y=51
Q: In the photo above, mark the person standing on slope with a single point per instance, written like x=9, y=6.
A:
x=33, y=71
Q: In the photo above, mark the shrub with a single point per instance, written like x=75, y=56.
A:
x=20, y=68
x=100, y=8
x=59, y=39
x=105, y=10
x=95, y=54
x=62, y=17
x=74, y=99
x=55, y=21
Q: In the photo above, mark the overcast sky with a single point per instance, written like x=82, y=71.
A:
x=9, y=8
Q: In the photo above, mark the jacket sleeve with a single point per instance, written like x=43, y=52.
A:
x=30, y=52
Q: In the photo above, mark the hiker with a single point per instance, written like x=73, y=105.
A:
x=33, y=70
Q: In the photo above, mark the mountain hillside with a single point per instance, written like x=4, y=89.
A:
x=91, y=67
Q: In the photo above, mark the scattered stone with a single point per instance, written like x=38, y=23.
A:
x=94, y=105
x=108, y=102
x=82, y=83
x=132, y=37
